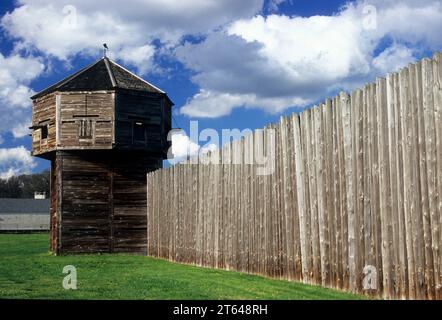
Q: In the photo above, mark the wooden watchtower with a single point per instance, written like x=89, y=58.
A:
x=103, y=128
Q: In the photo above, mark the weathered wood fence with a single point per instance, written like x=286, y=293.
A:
x=354, y=202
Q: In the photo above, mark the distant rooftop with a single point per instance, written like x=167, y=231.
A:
x=16, y=206
x=103, y=74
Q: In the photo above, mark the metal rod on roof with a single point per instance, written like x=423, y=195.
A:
x=105, y=48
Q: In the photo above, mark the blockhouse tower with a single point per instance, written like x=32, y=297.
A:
x=103, y=128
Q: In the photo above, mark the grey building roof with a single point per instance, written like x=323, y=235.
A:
x=16, y=206
x=103, y=74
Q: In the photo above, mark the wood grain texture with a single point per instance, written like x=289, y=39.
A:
x=355, y=187
x=102, y=202
x=99, y=166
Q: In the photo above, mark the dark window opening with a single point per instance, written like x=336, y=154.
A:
x=139, y=132
x=85, y=129
x=85, y=115
x=44, y=132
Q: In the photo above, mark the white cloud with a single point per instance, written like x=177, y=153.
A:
x=254, y=62
x=65, y=28
x=212, y=104
x=183, y=147
x=311, y=48
x=245, y=60
x=21, y=129
x=411, y=21
x=15, y=161
x=393, y=58
x=16, y=73
x=142, y=56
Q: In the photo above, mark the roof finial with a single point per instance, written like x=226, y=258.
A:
x=105, y=48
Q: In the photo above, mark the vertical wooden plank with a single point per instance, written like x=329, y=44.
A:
x=370, y=237
x=358, y=182
x=357, y=186
x=366, y=187
x=402, y=235
x=289, y=246
x=218, y=196
x=273, y=210
x=427, y=171
x=210, y=210
x=157, y=217
x=297, y=123
x=250, y=214
x=377, y=183
x=276, y=196
x=417, y=206
x=222, y=206
x=329, y=205
x=163, y=216
x=188, y=201
x=383, y=110
x=437, y=96
x=268, y=240
x=404, y=76
x=337, y=193
x=304, y=208
x=314, y=198
x=331, y=129
x=321, y=193
x=244, y=216
x=259, y=151
x=195, y=190
x=255, y=204
x=376, y=251
x=200, y=203
x=394, y=247
x=150, y=195
x=349, y=186
x=308, y=163
x=213, y=208
x=179, y=213
x=239, y=204
x=151, y=235
x=226, y=194
x=344, y=261
x=152, y=218
x=293, y=121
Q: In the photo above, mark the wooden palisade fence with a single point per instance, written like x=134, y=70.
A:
x=356, y=194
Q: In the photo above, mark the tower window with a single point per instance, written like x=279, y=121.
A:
x=44, y=132
x=139, y=132
x=85, y=129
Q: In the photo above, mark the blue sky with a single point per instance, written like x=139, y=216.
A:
x=227, y=64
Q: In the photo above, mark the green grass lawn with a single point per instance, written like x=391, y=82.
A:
x=28, y=270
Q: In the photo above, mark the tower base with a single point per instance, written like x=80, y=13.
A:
x=98, y=201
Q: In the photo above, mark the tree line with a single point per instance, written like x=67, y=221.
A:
x=24, y=186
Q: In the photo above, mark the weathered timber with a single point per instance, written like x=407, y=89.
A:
x=103, y=129
x=353, y=201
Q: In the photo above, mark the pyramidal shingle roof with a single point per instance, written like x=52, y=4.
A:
x=104, y=74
